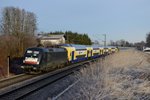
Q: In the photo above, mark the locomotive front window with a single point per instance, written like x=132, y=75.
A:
x=33, y=54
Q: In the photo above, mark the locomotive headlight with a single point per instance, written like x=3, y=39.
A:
x=34, y=68
x=38, y=62
x=22, y=66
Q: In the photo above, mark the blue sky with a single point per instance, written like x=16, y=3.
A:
x=119, y=19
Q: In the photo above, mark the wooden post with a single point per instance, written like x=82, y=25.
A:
x=8, y=63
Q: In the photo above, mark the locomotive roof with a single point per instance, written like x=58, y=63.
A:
x=47, y=49
x=38, y=48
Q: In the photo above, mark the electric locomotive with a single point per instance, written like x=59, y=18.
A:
x=38, y=59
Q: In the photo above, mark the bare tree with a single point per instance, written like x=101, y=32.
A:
x=112, y=43
x=19, y=23
x=148, y=39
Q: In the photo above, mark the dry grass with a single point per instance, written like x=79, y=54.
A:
x=124, y=76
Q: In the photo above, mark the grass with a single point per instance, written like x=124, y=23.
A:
x=124, y=76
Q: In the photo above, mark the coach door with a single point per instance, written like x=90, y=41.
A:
x=87, y=53
x=100, y=52
x=91, y=53
x=72, y=55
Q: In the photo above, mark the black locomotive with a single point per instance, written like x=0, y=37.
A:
x=44, y=59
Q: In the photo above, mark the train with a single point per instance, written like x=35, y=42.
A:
x=41, y=59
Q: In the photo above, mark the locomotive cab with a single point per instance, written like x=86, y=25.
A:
x=33, y=57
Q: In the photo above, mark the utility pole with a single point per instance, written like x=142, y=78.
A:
x=67, y=38
x=104, y=40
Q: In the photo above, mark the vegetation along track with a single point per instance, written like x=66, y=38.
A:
x=28, y=87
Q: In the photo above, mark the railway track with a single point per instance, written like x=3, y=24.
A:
x=25, y=88
x=15, y=79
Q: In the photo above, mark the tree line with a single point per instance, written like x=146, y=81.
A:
x=73, y=37
x=148, y=40
x=141, y=45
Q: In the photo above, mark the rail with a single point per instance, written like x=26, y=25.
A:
x=27, y=87
x=15, y=79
